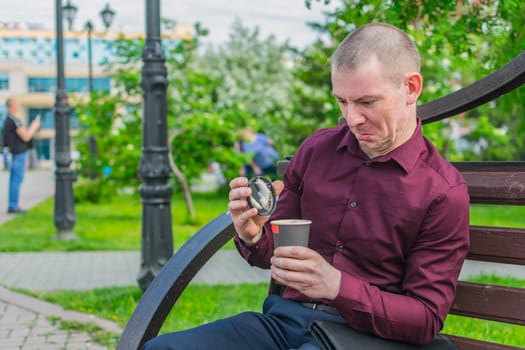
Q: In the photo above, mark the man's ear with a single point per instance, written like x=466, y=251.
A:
x=414, y=86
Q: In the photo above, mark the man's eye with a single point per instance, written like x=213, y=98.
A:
x=367, y=102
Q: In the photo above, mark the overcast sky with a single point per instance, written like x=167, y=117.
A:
x=284, y=18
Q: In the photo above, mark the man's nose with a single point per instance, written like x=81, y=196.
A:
x=353, y=115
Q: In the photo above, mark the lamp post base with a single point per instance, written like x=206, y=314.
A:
x=65, y=236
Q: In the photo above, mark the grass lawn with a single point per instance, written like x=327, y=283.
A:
x=200, y=304
x=115, y=225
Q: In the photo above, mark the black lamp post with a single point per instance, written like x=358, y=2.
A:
x=107, y=15
x=70, y=12
x=89, y=28
x=64, y=214
x=154, y=169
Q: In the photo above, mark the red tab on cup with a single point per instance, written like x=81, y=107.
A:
x=275, y=228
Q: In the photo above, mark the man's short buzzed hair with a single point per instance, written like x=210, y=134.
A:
x=9, y=101
x=393, y=48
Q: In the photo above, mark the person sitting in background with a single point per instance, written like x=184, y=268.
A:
x=263, y=154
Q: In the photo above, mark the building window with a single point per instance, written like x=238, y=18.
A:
x=4, y=81
x=47, y=117
x=101, y=84
x=43, y=149
x=72, y=84
x=42, y=84
x=3, y=113
x=82, y=84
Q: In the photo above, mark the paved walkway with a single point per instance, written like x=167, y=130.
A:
x=37, y=186
x=24, y=323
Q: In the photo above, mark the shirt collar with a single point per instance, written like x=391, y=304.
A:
x=405, y=155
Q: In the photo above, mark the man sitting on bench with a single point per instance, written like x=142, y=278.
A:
x=390, y=223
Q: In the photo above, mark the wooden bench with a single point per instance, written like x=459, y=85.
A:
x=489, y=183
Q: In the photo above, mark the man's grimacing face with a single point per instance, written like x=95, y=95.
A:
x=376, y=110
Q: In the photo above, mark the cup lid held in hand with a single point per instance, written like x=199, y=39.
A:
x=263, y=195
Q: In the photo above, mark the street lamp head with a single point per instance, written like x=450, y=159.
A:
x=70, y=11
x=89, y=26
x=107, y=15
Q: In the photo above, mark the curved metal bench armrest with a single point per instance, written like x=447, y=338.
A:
x=165, y=289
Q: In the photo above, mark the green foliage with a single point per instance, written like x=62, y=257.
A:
x=460, y=42
x=255, y=79
x=91, y=190
x=114, y=122
x=490, y=143
x=210, y=97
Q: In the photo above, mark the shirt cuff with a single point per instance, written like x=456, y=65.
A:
x=245, y=250
x=350, y=300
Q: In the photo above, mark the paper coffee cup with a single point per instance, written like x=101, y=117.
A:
x=290, y=232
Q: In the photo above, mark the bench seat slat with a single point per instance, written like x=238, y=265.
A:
x=490, y=302
x=497, y=244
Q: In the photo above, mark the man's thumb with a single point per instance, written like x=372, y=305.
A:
x=278, y=187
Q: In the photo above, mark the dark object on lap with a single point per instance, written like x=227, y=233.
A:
x=332, y=336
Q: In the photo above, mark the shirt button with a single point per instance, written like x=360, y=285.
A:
x=340, y=247
x=353, y=204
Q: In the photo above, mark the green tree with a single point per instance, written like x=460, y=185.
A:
x=211, y=96
x=460, y=42
x=254, y=73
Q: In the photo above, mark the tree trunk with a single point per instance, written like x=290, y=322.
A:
x=182, y=179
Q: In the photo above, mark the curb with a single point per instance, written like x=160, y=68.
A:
x=48, y=309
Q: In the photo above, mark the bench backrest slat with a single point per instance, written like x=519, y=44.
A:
x=490, y=166
x=490, y=302
x=497, y=244
x=496, y=187
x=487, y=187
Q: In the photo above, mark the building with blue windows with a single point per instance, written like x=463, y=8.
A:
x=28, y=72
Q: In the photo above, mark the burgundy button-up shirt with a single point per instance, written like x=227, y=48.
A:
x=396, y=226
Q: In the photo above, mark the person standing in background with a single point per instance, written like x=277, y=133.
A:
x=17, y=137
